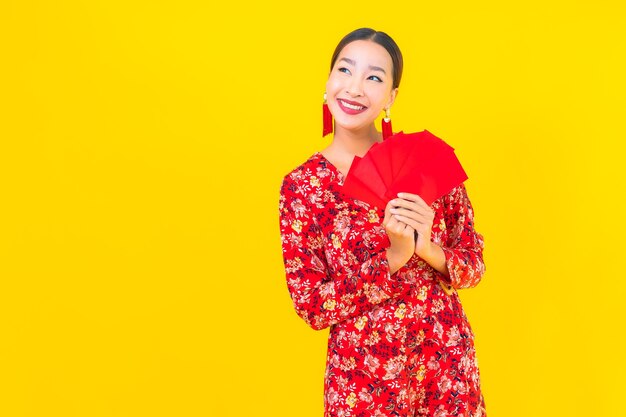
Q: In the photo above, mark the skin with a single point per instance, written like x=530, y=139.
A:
x=363, y=74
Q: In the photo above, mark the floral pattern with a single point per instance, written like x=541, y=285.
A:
x=399, y=344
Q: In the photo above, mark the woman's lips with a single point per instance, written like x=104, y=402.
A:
x=350, y=107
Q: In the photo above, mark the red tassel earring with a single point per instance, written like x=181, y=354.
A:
x=386, y=124
x=328, y=119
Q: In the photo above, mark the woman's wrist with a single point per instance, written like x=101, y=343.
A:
x=427, y=252
x=435, y=257
x=396, y=260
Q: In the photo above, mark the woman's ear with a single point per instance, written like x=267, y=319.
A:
x=394, y=94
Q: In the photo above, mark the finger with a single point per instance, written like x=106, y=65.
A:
x=401, y=203
x=414, y=198
x=391, y=223
x=420, y=228
x=408, y=232
x=396, y=227
x=389, y=204
x=420, y=216
x=411, y=205
x=408, y=221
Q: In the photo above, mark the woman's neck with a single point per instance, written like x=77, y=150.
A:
x=352, y=143
x=346, y=144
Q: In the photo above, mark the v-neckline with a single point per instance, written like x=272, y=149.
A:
x=340, y=177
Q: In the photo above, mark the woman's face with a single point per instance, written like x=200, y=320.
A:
x=360, y=84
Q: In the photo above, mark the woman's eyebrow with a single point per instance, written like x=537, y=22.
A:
x=371, y=67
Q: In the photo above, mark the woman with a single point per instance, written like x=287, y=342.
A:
x=399, y=343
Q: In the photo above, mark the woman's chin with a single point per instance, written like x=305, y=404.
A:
x=352, y=127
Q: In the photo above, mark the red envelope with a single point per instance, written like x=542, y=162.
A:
x=430, y=180
x=418, y=163
x=354, y=186
x=366, y=170
x=382, y=160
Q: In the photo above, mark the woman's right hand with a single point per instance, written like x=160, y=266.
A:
x=402, y=238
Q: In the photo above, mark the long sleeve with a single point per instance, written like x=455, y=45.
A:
x=322, y=298
x=464, y=246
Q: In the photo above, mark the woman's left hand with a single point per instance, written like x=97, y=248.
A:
x=413, y=210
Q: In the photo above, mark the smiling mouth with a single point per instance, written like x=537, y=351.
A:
x=350, y=108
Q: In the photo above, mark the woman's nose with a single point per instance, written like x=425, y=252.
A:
x=355, y=87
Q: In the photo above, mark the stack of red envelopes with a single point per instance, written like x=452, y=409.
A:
x=418, y=163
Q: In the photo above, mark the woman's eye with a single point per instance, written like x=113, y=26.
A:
x=344, y=69
x=376, y=78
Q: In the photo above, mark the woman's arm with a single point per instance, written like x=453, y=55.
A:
x=459, y=260
x=320, y=299
x=463, y=249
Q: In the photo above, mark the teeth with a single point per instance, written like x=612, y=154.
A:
x=350, y=106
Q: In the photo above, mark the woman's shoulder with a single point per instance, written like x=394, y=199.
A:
x=308, y=165
x=312, y=169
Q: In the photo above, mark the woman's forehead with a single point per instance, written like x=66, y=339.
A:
x=364, y=52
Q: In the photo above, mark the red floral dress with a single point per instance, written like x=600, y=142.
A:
x=401, y=344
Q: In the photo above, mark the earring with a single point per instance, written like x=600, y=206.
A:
x=327, y=119
x=386, y=124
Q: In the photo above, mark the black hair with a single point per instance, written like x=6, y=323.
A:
x=380, y=38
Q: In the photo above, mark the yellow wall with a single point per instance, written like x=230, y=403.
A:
x=142, y=145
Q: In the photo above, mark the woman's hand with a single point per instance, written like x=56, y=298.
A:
x=413, y=211
x=402, y=238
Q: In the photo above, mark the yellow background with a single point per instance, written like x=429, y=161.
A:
x=142, y=148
